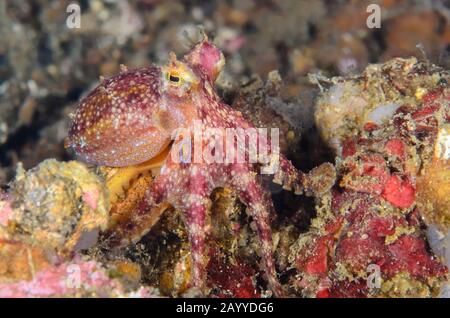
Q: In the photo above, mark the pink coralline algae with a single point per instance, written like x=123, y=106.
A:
x=74, y=279
x=368, y=238
x=40, y=251
x=5, y=208
x=132, y=118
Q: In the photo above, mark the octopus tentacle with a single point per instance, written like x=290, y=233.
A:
x=259, y=205
x=289, y=177
x=195, y=208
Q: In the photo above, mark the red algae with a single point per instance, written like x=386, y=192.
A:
x=368, y=238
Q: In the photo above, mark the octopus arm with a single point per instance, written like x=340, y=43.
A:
x=289, y=177
x=259, y=205
x=195, y=209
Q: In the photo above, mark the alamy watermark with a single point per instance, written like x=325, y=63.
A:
x=227, y=145
x=374, y=277
x=73, y=20
x=73, y=279
x=374, y=19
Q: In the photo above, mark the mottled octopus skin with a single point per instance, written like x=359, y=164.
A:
x=129, y=119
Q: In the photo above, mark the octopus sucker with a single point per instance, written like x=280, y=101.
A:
x=129, y=123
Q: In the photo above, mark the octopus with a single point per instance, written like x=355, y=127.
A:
x=153, y=117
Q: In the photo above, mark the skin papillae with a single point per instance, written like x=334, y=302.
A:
x=132, y=117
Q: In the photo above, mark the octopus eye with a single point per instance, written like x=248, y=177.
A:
x=174, y=78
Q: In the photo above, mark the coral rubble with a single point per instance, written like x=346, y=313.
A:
x=50, y=214
x=368, y=238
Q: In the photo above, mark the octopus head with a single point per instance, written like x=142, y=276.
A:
x=189, y=82
x=129, y=118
